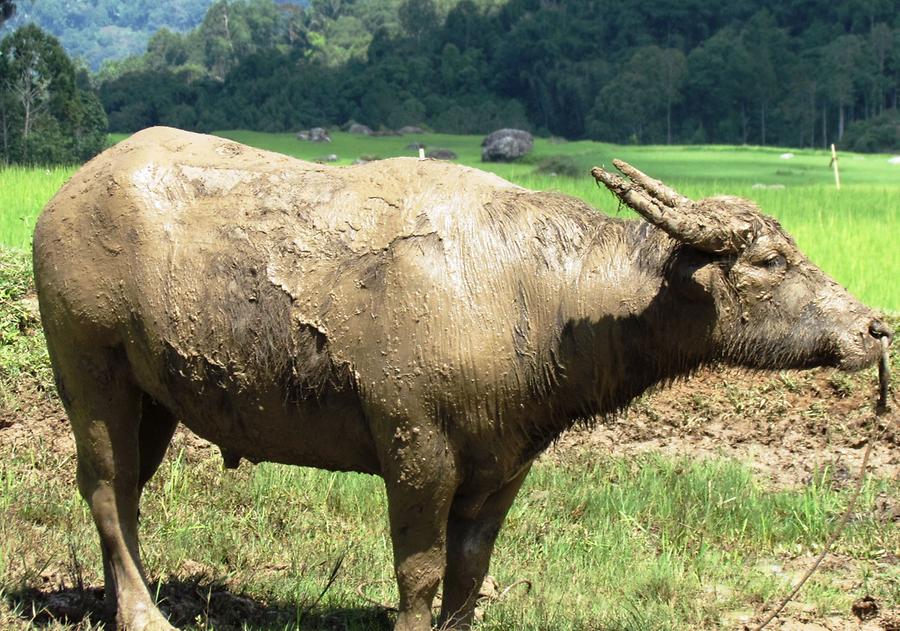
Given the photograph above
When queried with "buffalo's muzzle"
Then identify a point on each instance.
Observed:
(878, 329)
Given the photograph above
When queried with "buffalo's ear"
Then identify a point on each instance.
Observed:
(688, 273)
(719, 225)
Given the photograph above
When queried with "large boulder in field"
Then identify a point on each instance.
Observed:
(506, 145)
(360, 129)
(319, 134)
(410, 129)
(316, 134)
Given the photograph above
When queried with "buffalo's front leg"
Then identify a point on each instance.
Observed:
(471, 534)
(421, 479)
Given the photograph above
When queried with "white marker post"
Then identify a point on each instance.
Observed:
(834, 165)
(422, 155)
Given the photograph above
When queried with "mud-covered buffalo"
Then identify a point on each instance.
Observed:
(414, 319)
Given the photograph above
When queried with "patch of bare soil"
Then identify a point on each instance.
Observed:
(785, 426)
(37, 418)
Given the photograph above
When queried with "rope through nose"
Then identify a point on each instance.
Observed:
(881, 407)
(884, 376)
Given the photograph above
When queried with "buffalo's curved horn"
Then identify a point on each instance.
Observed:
(708, 225)
(636, 198)
(668, 196)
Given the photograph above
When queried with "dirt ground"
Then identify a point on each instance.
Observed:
(783, 425)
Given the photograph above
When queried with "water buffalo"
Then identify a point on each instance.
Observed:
(425, 322)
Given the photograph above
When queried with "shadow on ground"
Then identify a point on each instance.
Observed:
(194, 603)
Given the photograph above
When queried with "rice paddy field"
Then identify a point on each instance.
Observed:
(852, 233)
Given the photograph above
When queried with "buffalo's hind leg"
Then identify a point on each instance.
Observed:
(104, 407)
(471, 534)
(157, 425)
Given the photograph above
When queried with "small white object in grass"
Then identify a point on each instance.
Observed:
(786, 156)
(895, 160)
(421, 153)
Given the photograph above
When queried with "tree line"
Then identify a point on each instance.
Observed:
(793, 72)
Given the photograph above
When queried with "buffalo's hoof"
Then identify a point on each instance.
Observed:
(149, 621)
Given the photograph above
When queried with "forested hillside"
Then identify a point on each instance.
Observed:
(98, 30)
(791, 72)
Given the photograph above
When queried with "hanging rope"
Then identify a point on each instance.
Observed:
(881, 408)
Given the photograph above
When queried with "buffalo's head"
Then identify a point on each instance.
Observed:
(774, 308)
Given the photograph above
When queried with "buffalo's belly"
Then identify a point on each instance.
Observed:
(258, 420)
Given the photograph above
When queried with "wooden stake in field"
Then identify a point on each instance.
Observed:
(834, 165)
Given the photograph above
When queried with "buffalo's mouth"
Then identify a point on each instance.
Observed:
(864, 348)
(803, 347)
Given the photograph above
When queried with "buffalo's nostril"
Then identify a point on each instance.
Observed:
(879, 330)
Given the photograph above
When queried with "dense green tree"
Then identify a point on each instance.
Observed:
(718, 79)
(419, 19)
(46, 116)
(842, 62)
(880, 133)
(767, 47)
(882, 44)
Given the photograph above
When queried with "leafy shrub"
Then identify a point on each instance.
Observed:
(880, 134)
(560, 165)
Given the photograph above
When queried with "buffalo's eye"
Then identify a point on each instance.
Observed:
(775, 262)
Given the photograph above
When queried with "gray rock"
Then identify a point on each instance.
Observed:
(316, 134)
(359, 129)
(319, 134)
(415, 146)
(410, 129)
(506, 145)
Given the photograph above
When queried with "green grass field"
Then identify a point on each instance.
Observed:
(611, 543)
(852, 234)
(23, 192)
(708, 165)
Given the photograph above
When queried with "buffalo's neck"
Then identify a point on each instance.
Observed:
(630, 330)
